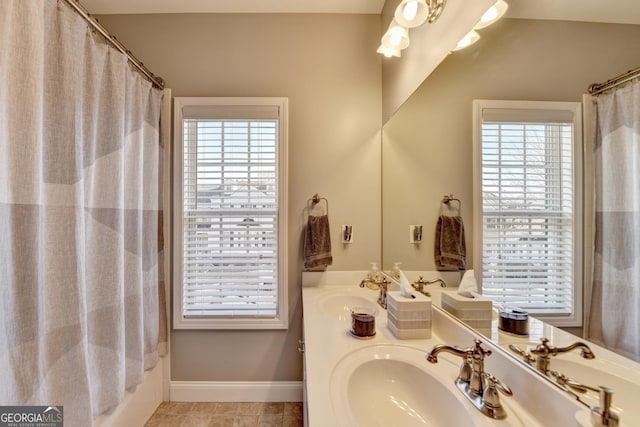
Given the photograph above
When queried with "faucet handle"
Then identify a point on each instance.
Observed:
(505, 389)
(491, 405)
(526, 356)
(478, 351)
(490, 393)
(602, 416)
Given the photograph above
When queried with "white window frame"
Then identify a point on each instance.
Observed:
(542, 108)
(281, 320)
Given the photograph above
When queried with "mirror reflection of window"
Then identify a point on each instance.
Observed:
(528, 178)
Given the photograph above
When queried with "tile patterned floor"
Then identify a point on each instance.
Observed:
(227, 414)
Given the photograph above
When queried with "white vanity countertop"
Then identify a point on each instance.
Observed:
(328, 341)
(327, 338)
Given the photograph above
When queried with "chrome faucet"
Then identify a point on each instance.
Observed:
(382, 284)
(541, 355)
(419, 284)
(371, 281)
(472, 379)
(544, 351)
(432, 356)
(382, 296)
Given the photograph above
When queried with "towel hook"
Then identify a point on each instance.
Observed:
(316, 199)
(447, 199)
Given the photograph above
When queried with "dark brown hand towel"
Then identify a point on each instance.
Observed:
(317, 242)
(450, 247)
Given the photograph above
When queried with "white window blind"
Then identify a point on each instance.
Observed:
(529, 229)
(230, 211)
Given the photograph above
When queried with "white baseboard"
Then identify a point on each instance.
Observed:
(236, 391)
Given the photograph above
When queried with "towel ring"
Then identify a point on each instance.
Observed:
(447, 199)
(316, 199)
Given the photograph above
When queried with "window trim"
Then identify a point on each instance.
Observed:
(281, 320)
(575, 108)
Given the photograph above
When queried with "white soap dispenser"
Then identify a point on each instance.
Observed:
(374, 274)
(395, 273)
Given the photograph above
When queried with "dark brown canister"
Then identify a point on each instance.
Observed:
(363, 322)
(514, 321)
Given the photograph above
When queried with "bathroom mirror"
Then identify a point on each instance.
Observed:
(427, 144)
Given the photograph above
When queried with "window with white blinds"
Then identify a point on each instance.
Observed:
(530, 191)
(231, 153)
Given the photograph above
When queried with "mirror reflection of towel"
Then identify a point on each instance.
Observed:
(317, 242)
(450, 246)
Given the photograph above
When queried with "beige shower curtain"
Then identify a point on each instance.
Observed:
(614, 318)
(81, 274)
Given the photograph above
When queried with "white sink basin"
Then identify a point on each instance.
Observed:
(393, 385)
(339, 305)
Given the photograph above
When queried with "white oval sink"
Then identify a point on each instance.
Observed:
(338, 306)
(392, 385)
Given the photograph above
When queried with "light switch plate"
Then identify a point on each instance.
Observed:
(347, 234)
(415, 234)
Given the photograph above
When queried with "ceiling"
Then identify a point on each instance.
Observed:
(618, 11)
(233, 6)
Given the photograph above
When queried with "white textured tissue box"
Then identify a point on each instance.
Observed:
(418, 322)
(400, 303)
(409, 318)
(408, 334)
(478, 309)
(456, 300)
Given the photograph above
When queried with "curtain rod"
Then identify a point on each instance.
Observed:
(597, 88)
(157, 81)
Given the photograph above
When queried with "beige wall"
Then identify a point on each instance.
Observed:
(427, 145)
(327, 66)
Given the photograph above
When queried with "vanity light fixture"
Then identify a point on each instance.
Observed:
(494, 13)
(471, 37)
(408, 14)
(412, 13)
(396, 37)
(388, 53)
